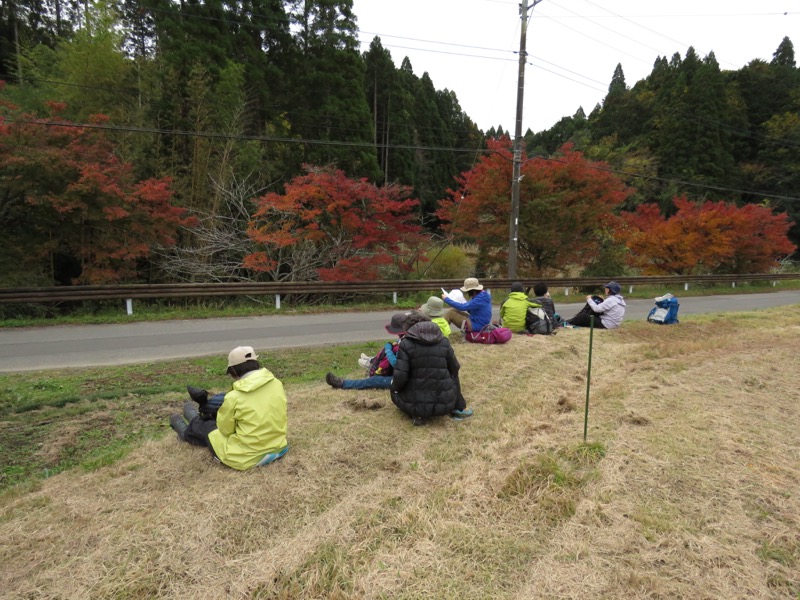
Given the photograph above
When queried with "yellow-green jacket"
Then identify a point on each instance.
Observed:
(251, 421)
(443, 325)
(513, 311)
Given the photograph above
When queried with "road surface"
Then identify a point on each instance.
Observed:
(38, 348)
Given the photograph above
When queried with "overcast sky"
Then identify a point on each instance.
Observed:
(471, 47)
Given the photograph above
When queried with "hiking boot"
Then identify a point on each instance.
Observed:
(334, 381)
(460, 415)
(179, 425)
(417, 421)
(198, 395)
(189, 411)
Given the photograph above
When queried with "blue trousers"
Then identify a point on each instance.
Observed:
(376, 382)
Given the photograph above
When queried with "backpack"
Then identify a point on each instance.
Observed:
(491, 334)
(665, 312)
(379, 364)
(537, 321)
(499, 335)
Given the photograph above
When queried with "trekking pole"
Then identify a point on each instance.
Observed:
(588, 379)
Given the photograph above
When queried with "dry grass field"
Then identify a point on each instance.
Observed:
(688, 487)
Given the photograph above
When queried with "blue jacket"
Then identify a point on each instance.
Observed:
(479, 309)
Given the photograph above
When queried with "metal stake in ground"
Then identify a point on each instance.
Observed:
(588, 378)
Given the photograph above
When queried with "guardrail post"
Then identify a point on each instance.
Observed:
(394, 297)
(277, 301)
(774, 283)
(129, 306)
(686, 286)
(630, 289)
(733, 284)
(566, 291)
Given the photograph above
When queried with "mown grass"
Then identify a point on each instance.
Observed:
(686, 487)
(56, 420)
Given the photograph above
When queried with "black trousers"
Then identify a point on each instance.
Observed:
(583, 318)
(198, 430)
(461, 403)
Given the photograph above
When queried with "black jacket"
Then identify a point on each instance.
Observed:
(425, 381)
(548, 306)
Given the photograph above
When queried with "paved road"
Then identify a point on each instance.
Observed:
(37, 348)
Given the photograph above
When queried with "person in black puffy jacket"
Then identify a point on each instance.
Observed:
(425, 382)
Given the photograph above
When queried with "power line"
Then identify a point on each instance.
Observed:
(279, 109)
(226, 136)
(684, 44)
(223, 136)
(604, 27)
(681, 181)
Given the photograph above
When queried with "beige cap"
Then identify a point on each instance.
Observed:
(241, 354)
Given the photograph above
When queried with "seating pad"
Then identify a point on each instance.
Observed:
(272, 457)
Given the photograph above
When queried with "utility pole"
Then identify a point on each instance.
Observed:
(515, 178)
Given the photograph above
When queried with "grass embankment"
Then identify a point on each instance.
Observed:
(688, 487)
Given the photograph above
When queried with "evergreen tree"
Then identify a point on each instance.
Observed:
(784, 55)
(777, 167)
(692, 137)
(329, 104)
(389, 105)
(612, 116)
(548, 141)
(263, 44)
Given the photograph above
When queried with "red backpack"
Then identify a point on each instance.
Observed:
(380, 365)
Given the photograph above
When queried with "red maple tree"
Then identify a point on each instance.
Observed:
(566, 202)
(705, 237)
(327, 226)
(68, 194)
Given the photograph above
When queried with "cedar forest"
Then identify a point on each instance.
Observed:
(150, 141)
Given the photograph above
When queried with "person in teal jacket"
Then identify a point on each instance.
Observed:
(250, 426)
(515, 308)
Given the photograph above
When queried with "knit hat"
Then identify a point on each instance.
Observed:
(517, 287)
(434, 307)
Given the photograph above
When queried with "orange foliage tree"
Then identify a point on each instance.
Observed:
(705, 237)
(68, 199)
(327, 226)
(567, 202)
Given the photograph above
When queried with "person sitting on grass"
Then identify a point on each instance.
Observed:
(479, 308)
(425, 382)
(611, 309)
(542, 296)
(380, 367)
(250, 425)
(434, 310)
(454, 317)
(514, 310)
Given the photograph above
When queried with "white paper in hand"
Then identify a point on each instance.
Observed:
(456, 295)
